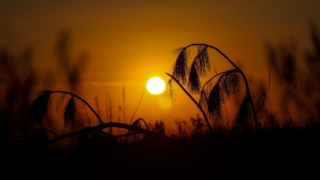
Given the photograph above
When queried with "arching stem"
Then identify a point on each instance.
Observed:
(112, 124)
(243, 76)
(251, 102)
(82, 101)
(198, 105)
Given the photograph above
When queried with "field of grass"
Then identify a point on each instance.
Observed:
(285, 152)
(258, 145)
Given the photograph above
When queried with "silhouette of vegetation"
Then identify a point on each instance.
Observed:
(137, 123)
(159, 127)
(211, 97)
(137, 106)
(70, 66)
(17, 81)
(40, 105)
(278, 150)
(298, 77)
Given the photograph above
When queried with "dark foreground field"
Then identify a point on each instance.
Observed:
(283, 153)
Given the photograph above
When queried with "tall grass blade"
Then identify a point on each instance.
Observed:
(123, 105)
(261, 101)
(134, 113)
(60, 100)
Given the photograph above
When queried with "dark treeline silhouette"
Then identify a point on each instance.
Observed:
(257, 145)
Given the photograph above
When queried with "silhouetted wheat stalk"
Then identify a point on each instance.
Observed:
(211, 97)
(40, 105)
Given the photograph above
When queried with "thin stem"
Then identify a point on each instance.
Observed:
(263, 95)
(200, 53)
(137, 106)
(125, 135)
(251, 102)
(235, 70)
(112, 124)
(50, 131)
(82, 101)
(211, 79)
(202, 111)
(216, 50)
(270, 85)
(140, 119)
(123, 103)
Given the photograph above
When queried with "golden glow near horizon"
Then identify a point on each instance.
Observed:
(131, 41)
(155, 85)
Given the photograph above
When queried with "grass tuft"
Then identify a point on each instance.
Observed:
(69, 112)
(244, 113)
(39, 106)
(180, 68)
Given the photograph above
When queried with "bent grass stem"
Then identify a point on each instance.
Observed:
(198, 105)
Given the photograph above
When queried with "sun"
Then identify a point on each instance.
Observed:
(155, 85)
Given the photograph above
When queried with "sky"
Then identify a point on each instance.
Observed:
(128, 42)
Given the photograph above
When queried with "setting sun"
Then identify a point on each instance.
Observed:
(155, 85)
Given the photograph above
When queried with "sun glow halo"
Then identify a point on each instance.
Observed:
(155, 85)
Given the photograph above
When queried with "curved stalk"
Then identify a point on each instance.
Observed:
(202, 111)
(82, 101)
(243, 76)
(235, 70)
(251, 102)
(50, 131)
(112, 124)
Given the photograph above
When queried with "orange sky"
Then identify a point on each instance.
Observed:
(132, 41)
